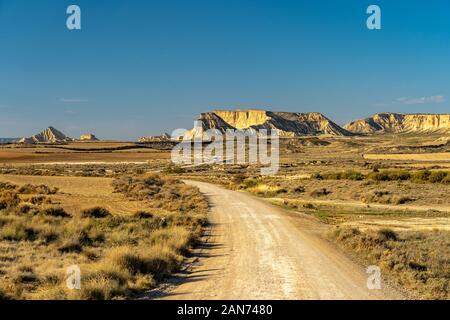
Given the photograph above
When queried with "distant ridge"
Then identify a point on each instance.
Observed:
(401, 123)
(49, 135)
(9, 140)
(286, 124)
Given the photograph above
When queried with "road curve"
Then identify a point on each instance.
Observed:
(255, 250)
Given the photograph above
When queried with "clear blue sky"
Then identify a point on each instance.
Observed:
(144, 67)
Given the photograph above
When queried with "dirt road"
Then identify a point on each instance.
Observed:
(258, 251)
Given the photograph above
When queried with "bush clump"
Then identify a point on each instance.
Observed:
(96, 212)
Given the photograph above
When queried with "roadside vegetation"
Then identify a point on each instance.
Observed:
(420, 176)
(120, 256)
(416, 260)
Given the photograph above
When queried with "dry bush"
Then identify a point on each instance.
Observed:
(416, 260)
(55, 212)
(9, 199)
(385, 197)
(96, 212)
(321, 192)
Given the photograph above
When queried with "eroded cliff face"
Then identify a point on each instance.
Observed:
(49, 135)
(243, 119)
(401, 123)
(286, 124)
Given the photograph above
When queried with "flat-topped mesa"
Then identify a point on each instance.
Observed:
(49, 135)
(286, 124)
(401, 123)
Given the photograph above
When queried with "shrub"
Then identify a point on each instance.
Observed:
(402, 199)
(437, 176)
(387, 234)
(55, 212)
(173, 169)
(250, 182)
(4, 295)
(37, 189)
(298, 189)
(320, 192)
(9, 199)
(143, 215)
(96, 212)
(7, 186)
(18, 231)
(421, 176)
(446, 180)
(309, 206)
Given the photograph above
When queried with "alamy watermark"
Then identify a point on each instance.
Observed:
(254, 147)
(73, 280)
(374, 279)
(73, 21)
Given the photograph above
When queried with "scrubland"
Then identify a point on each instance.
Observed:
(120, 255)
(386, 200)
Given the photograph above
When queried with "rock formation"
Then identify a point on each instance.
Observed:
(49, 135)
(88, 137)
(401, 123)
(286, 124)
(163, 137)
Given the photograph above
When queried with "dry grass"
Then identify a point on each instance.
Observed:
(120, 256)
(417, 261)
(444, 156)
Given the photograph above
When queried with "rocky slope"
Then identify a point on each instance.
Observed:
(401, 123)
(286, 124)
(49, 135)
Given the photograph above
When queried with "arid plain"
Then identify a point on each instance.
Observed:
(141, 228)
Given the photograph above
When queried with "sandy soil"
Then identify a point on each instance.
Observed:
(258, 251)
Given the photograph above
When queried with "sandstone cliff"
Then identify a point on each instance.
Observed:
(401, 123)
(49, 135)
(286, 124)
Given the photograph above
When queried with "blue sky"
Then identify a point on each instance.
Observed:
(144, 67)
